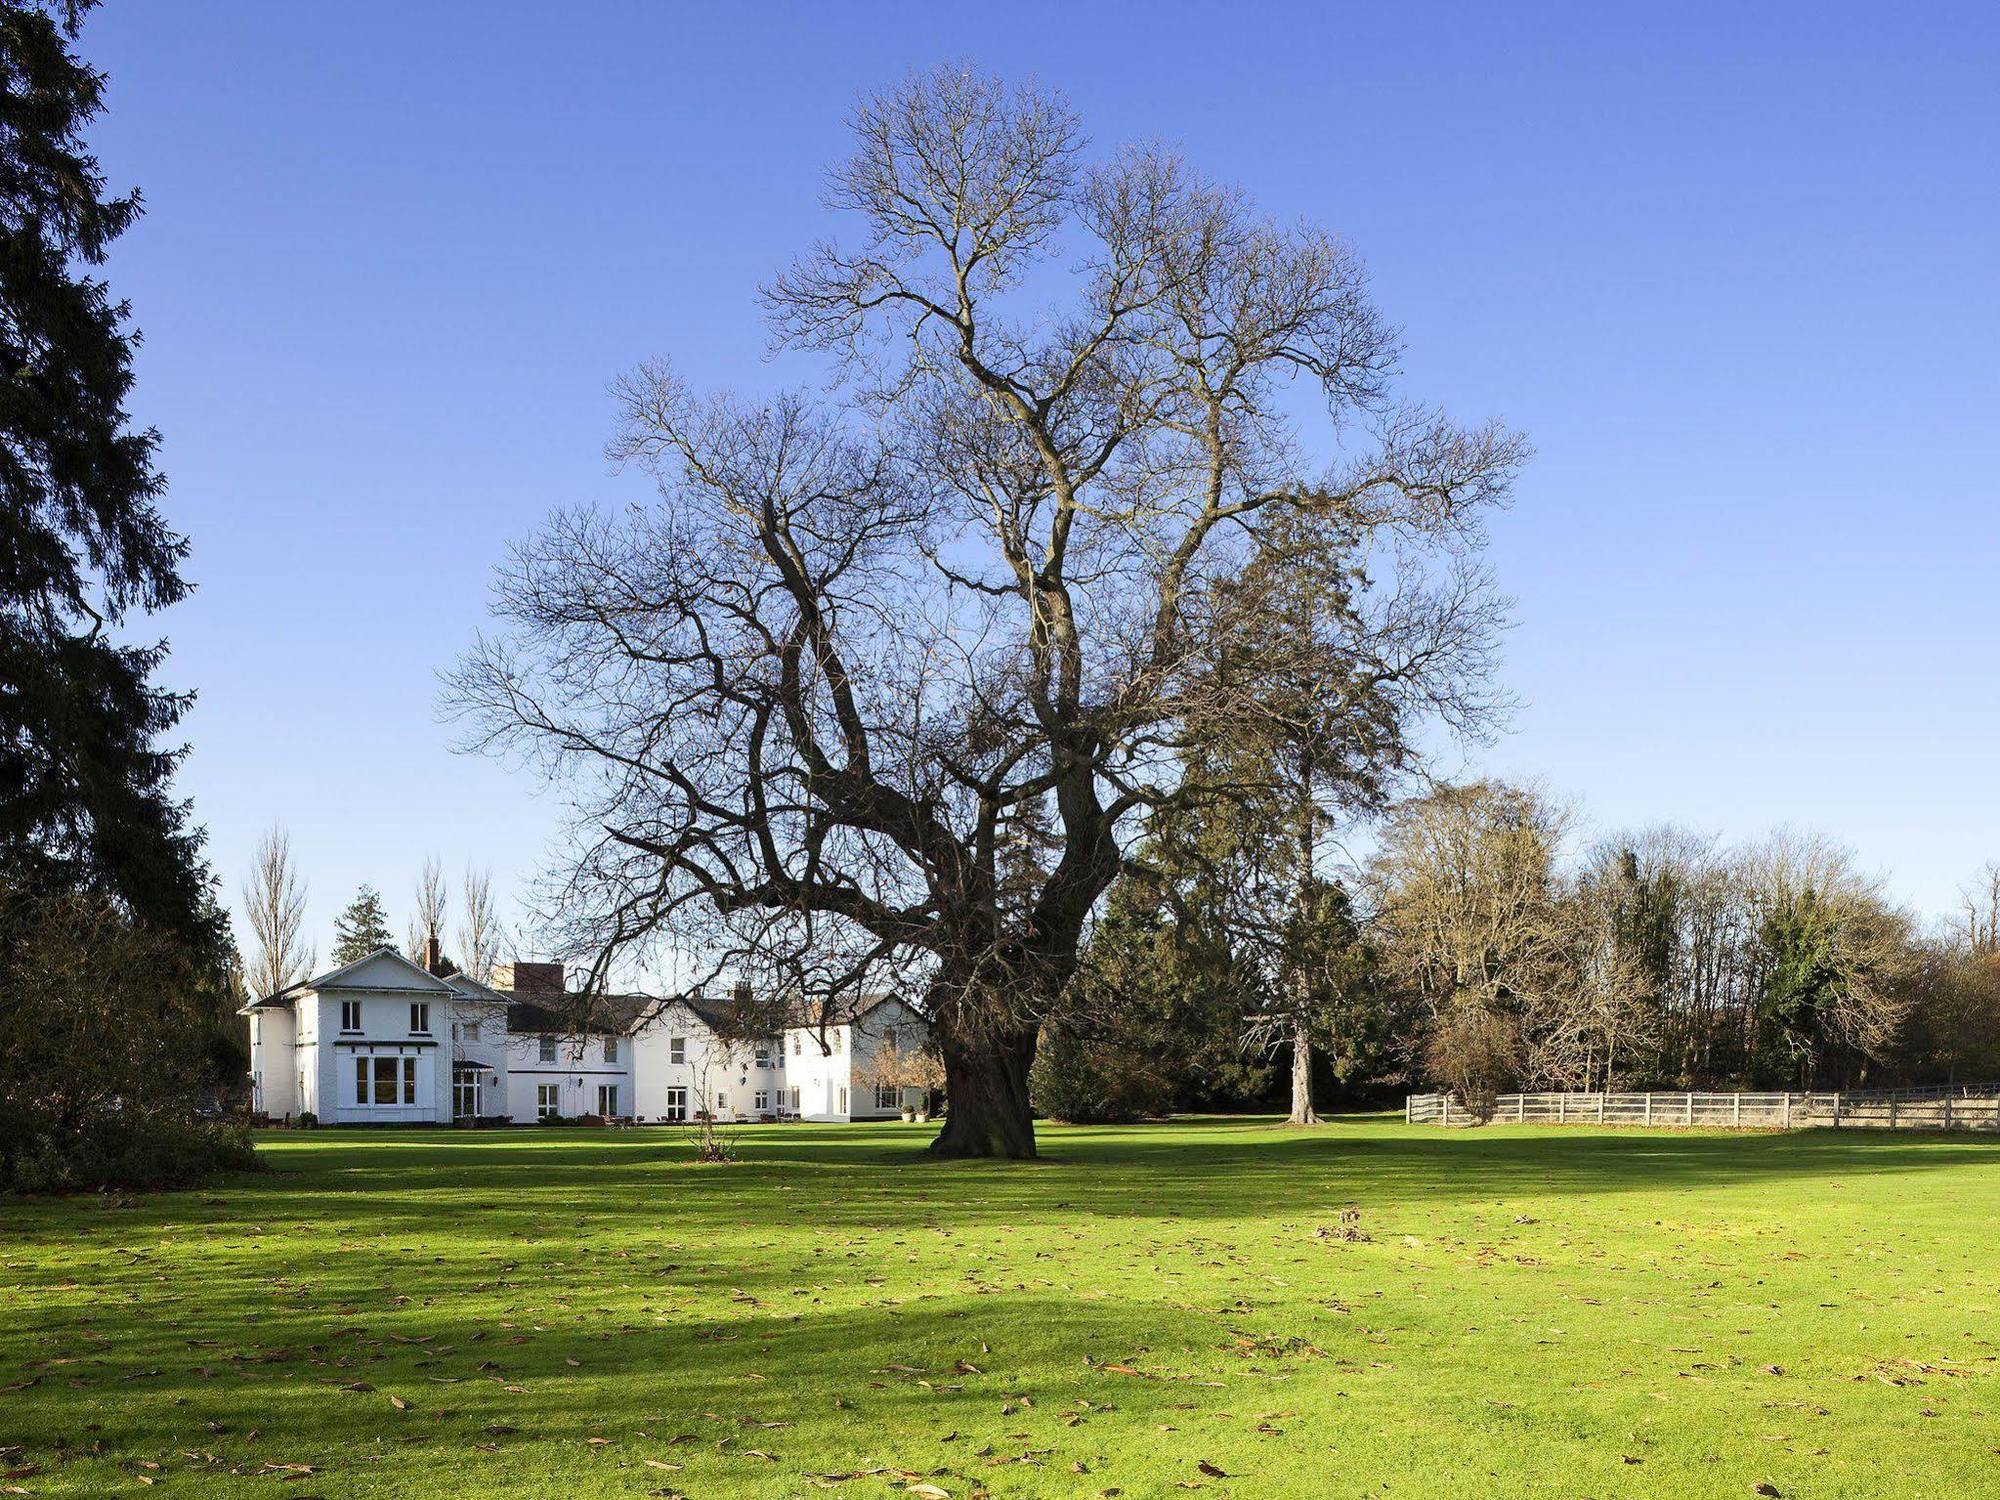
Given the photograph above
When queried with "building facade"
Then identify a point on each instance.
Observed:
(385, 1041)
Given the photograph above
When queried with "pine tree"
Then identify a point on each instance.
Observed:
(85, 784)
(361, 929)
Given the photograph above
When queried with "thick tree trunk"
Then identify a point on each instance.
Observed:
(1302, 1077)
(986, 1095)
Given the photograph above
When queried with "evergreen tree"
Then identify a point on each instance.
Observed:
(85, 784)
(361, 929)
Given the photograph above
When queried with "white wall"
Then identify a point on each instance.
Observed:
(577, 1072)
(274, 1062)
(708, 1070)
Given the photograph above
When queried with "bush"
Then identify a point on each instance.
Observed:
(107, 1078)
(137, 1150)
(307, 1120)
(1086, 1081)
(1475, 1053)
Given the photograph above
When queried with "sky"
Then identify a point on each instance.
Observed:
(1731, 269)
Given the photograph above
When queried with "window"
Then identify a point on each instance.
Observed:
(420, 1018)
(798, 1046)
(763, 1101)
(843, 1101)
(763, 1055)
(677, 1104)
(795, 1099)
(887, 1096)
(607, 1099)
(548, 1052)
(394, 1080)
(350, 1015)
(611, 1049)
(721, 1102)
(547, 1096)
(677, 1049)
(467, 1102)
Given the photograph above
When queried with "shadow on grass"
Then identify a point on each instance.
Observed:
(546, 1184)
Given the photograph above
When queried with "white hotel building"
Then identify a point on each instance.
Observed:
(383, 1041)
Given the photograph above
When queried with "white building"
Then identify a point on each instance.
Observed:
(835, 1072)
(384, 1041)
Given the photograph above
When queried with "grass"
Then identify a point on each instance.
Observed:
(1536, 1312)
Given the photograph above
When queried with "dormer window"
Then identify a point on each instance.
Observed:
(420, 1018)
(350, 1015)
(677, 1049)
(548, 1049)
(611, 1049)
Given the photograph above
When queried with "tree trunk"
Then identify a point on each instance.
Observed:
(1302, 1077)
(986, 1095)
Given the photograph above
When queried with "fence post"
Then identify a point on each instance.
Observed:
(1836, 1109)
(1788, 1109)
(1520, 1109)
(1736, 1110)
(1562, 1109)
(1892, 1111)
(1408, 1099)
(1690, 1107)
(1600, 1112)
(1445, 1118)
(1947, 1111)
(1649, 1106)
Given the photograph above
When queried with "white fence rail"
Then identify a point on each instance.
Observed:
(1964, 1107)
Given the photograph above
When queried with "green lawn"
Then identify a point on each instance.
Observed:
(568, 1313)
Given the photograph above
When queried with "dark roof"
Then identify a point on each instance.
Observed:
(607, 1015)
(619, 1015)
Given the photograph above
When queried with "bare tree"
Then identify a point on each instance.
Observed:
(427, 918)
(479, 932)
(274, 904)
(803, 703)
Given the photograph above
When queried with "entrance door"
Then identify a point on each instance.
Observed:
(607, 1100)
(677, 1104)
(467, 1094)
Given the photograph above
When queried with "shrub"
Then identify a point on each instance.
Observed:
(307, 1120)
(105, 1064)
(1087, 1081)
(1476, 1053)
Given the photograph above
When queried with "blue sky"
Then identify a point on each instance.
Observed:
(1731, 268)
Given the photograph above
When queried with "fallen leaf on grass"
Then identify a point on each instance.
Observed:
(1211, 1470)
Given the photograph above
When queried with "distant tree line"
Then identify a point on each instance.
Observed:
(1479, 949)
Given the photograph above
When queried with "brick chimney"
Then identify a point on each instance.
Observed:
(433, 955)
(529, 979)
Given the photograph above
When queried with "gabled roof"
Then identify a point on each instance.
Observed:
(467, 987)
(804, 1018)
(343, 978)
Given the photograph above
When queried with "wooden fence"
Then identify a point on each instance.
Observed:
(1965, 1107)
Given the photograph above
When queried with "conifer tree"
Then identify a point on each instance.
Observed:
(361, 929)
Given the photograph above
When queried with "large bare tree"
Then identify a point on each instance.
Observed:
(274, 904)
(880, 689)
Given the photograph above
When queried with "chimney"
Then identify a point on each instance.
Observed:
(433, 955)
(740, 992)
(529, 979)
